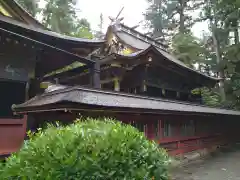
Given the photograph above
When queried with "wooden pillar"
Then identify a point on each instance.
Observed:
(144, 86)
(151, 130)
(95, 74)
(116, 84)
(178, 129)
(163, 92)
(56, 80)
(150, 127)
(27, 90)
(178, 95)
(144, 83)
(160, 131)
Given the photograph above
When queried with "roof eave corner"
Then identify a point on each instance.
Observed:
(29, 16)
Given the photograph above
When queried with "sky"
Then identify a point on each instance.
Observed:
(132, 13)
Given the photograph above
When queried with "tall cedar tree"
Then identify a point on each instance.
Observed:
(60, 16)
(172, 21)
(177, 16)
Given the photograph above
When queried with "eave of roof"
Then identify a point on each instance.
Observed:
(51, 34)
(27, 16)
(67, 57)
(86, 96)
(138, 42)
(38, 27)
(158, 51)
(19, 13)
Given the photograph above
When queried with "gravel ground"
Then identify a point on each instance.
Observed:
(223, 166)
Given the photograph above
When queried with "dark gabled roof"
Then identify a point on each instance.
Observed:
(144, 43)
(100, 98)
(48, 65)
(39, 33)
(21, 13)
(159, 52)
(34, 25)
(134, 38)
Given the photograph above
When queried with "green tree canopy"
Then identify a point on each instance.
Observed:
(99, 149)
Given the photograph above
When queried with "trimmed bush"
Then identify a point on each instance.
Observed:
(88, 150)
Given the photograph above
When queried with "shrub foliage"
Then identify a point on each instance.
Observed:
(88, 150)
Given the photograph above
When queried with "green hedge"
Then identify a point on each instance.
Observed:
(88, 150)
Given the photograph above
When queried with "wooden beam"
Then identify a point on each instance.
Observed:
(106, 81)
(95, 74)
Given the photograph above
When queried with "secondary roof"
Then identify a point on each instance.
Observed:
(143, 44)
(100, 99)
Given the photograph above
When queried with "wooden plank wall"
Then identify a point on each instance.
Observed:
(175, 142)
(12, 133)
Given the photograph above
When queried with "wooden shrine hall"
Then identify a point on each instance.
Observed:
(179, 127)
(140, 84)
(134, 63)
(128, 76)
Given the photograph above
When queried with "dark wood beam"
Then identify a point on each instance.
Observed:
(95, 73)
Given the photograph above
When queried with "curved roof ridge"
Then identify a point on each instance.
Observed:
(149, 46)
(166, 55)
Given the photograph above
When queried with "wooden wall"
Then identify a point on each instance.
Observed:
(177, 133)
(15, 67)
(12, 133)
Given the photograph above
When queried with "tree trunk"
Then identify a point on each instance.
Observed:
(213, 23)
(236, 34)
(159, 31)
(182, 17)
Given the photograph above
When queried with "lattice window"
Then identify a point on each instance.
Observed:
(167, 128)
(158, 129)
(188, 128)
(141, 126)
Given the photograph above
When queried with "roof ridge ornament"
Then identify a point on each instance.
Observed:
(116, 20)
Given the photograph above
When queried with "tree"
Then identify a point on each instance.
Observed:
(229, 13)
(156, 18)
(211, 10)
(195, 53)
(83, 29)
(222, 17)
(170, 17)
(31, 6)
(60, 16)
(210, 97)
(100, 149)
(172, 21)
(99, 34)
(216, 53)
(188, 49)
